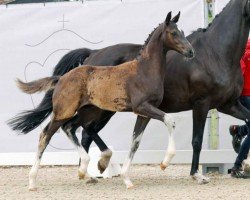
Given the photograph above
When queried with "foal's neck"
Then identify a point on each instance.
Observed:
(153, 57)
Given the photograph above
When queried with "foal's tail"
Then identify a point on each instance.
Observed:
(43, 84)
(29, 120)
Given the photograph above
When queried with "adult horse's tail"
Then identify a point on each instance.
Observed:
(31, 119)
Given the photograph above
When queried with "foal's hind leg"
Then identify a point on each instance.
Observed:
(93, 120)
(70, 129)
(140, 126)
(44, 139)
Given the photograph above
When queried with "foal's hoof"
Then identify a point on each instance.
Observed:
(129, 187)
(81, 175)
(104, 161)
(101, 168)
(92, 181)
(163, 166)
(32, 189)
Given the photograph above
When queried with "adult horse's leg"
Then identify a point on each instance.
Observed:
(44, 140)
(236, 110)
(140, 126)
(199, 119)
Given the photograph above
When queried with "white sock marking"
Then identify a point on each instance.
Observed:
(170, 123)
(127, 163)
(33, 173)
(82, 154)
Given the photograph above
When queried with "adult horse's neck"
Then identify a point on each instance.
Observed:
(153, 57)
(229, 32)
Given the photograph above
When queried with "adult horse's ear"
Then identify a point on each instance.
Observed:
(176, 18)
(168, 18)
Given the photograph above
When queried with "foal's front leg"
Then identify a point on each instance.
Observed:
(151, 111)
(170, 152)
(140, 126)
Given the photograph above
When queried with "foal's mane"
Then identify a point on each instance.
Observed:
(149, 37)
(147, 40)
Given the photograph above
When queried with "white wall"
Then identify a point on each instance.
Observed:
(110, 22)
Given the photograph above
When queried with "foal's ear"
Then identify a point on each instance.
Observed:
(168, 18)
(176, 18)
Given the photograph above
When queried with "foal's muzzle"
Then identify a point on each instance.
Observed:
(190, 53)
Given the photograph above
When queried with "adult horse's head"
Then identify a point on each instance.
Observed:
(174, 39)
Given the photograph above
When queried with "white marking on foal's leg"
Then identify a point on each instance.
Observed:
(124, 173)
(33, 174)
(82, 171)
(127, 163)
(170, 123)
(104, 160)
(200, 178)
(170, 152)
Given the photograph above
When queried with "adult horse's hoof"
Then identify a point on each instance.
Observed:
(203, 181)
(81, 175)
(163, 166)
(200, 178)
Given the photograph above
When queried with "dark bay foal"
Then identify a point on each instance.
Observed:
(139, 87)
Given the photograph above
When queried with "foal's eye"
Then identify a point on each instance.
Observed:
(174, 33)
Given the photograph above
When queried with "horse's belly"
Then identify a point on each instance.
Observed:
(109, 98)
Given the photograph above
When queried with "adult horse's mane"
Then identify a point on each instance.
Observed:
(194, 33)
(203, 30)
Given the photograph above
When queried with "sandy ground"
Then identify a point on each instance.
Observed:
(150, 183)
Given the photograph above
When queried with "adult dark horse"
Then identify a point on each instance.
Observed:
(212, 80)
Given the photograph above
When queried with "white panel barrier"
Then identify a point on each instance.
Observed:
(34, 37)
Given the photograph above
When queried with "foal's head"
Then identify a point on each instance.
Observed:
(174, 39)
